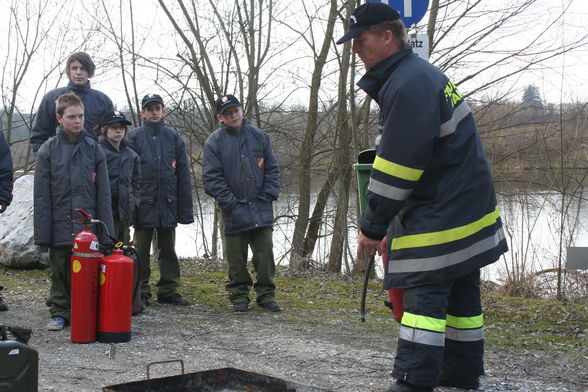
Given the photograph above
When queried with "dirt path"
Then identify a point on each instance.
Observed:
(331, 356)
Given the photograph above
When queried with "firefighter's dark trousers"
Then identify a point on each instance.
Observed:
(237, 248)
(169, 267)
(59, 261)
(441, 331)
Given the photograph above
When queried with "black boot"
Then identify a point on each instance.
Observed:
(446, 380)
(402, 386)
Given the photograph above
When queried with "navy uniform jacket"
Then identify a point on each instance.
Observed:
(69, 174)
(95, 103)
(430, 173)
(6, 174)
(165, 186)
(240, 171)
(124, 174)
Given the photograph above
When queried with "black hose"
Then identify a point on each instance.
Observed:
(365, 285)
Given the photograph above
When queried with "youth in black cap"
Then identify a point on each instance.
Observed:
(147, 99)
(225, 102)
(366, 16)
(113, 116)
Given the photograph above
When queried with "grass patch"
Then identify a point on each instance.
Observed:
(320, 299)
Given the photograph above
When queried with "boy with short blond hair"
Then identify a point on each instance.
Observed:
(166, 199)
(70, 173)
(123, 171)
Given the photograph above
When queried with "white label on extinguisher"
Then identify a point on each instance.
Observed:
(94, 245)
(14, 351)
(103, 268)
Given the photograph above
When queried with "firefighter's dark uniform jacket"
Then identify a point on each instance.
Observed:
(431, 171)
(6, 173)
(165, 186)
(69, 174)
(95, 103)
(240, 171)
(124, 174)
(431, 192)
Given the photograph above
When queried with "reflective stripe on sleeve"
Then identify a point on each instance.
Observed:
(423, 322)
(464, 335)
(396, 170)
(438, 262)
(459, 113)
(445, 236)
(420, 336)
(389, 191)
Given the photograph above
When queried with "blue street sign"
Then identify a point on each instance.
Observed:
(411, 11)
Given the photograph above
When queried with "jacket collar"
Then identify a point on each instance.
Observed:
(103, 141)
(64, 136)
(79, 89)
(375, 78)
(154, 127)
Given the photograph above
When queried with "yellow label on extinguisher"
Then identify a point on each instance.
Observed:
(102, 278)
(76, 266)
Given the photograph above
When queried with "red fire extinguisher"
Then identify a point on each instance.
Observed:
(84, 281)
(116, 297)
(395, 296)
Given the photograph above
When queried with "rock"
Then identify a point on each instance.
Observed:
(17, 249)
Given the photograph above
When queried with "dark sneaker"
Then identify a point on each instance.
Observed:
(402, 386)
(174, 299)
(57, 323)
(3, 306)
(241, 307)
(144, 302)
(272, 306)
(459, 382)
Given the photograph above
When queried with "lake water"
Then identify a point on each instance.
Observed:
(532, 225)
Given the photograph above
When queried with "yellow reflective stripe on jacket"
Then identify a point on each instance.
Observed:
(396, 170)
(465, 322)
(423, 322)
(445, 236)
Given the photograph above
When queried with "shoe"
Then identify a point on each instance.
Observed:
(241, 307)
(57, 323)
(174, 299)
(3, 306)
(144, 302)
(402, 386)
(446, 380)
(272, 306)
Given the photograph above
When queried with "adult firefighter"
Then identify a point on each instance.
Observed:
(431, 192)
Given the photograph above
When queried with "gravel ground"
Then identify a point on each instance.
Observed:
(333, 356)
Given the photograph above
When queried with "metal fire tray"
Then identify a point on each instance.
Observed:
(215, 380)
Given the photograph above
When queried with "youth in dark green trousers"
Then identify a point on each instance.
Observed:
(59, 292)
(240, 281)
(121, 230)
(169, 267)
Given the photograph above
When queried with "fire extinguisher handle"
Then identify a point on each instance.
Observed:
(85, 216)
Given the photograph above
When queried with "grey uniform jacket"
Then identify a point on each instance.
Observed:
(165, 186)
(241, 173)
(124, 174)
(95, 103)
(5, 171)
(70, 174)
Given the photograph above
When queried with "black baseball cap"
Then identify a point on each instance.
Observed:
(113, 116)
(366, 16)
(151, 98)
(225, 102)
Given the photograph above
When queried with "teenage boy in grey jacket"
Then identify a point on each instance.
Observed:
(123, 171)
(79, 69)
(6, 176)
(241, 173)
(70, 173)
(165, 201)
